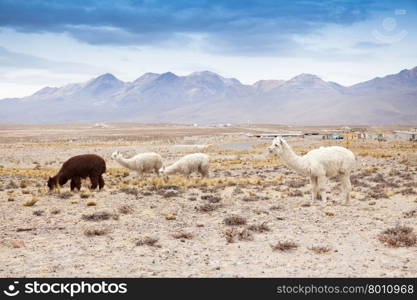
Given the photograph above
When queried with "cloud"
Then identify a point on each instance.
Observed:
(14, 60)
(370, 45)
(243, 27)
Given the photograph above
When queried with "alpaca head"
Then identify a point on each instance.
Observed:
(115, 154)
(163, 172)
(278, 146)
(52, 183)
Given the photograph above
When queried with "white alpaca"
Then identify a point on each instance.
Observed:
(141, 163)
(197, 162)
(319, 164)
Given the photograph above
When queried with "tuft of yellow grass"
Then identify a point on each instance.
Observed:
(36, 173)
(85, 195)
(159, 182)
(31, 202)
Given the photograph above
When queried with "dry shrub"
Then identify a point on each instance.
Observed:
(295, 193)
(148, 241)
(207, 207)
(64, 195)
(408, 191)
(320, 249)
(276, 207)
(356, 182)
(411, 213)
(245, 235)
(11, 185)
(235, 220)
(392, 184)
(38, 213)
(377, 178)
(250, 198)
(261, 228)
(183, 235)
(96, 231)
(399, 236)
(378, 192)
(100, 216)
(211, 198)
(284, 246)
(233, 233)
(296, 183)
(170, 194)
(126, 209)
(237, 190)
(130, 191)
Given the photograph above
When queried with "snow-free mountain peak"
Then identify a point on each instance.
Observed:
(207, 97)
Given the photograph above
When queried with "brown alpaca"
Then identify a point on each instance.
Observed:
(80, 167)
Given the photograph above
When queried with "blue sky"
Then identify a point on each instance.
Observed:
(52, 43)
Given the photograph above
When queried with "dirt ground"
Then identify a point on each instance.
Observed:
(251, 218)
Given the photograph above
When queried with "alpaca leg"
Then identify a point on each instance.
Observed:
(100, 182)
(313, 182)
(76, 183)
(72, 184)
(203, 170)
(321, 182)
(94, 181)
(347, 187)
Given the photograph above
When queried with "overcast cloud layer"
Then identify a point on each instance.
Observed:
(269, 39)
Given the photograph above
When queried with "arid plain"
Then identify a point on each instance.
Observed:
(251, 218)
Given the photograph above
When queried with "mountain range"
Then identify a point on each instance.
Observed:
(208, 98)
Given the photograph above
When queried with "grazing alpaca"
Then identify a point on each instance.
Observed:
(80, 167)
(319, 164)
(141, 163)
(197, 162)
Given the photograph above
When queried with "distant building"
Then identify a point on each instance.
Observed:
(101, 125)
(376, 136)
(405, 135)
(274, 135)
(354, 135)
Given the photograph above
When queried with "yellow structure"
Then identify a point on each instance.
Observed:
(351, 135)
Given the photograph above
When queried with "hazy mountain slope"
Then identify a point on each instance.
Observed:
(206, 97)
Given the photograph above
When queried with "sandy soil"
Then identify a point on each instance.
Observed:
(151, 227)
